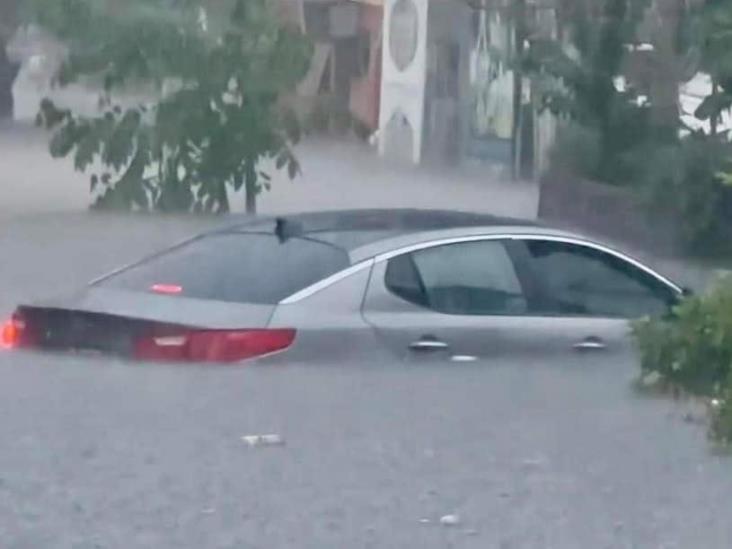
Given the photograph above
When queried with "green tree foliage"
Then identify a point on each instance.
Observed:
(671, 167)
(710, 31)
(700, 189)
(8, 18)
(575, 77)
(216, 73)
(711, 34)
(683, 178)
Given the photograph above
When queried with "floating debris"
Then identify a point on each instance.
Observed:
(450, 520)
(263, 440)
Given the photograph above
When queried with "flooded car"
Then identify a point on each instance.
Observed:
(413, 285)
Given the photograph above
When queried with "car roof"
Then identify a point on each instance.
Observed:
(354, 229)
(365, 233)
(405, 241)
(403, 220)
(384, 218)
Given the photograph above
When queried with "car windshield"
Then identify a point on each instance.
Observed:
(234, 267)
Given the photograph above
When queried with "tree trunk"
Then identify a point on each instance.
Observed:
(714, 120)
(664, 82)
(224, 206)
(520, 25)
(8, 72)
(251, 198)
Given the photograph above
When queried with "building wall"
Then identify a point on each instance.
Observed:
(432, 102)
(404, 75)
(447, 80)
(365, 91)
(347, 37)
(291, 12)
(450, 113)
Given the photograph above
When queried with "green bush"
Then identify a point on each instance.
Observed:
(605, 156)
(681, 177)
(576, 151)
(721, 416)
(691, 352)
(684, 178)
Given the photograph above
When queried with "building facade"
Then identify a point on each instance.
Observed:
(345, 72)
(449, 92)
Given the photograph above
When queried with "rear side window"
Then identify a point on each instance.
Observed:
(236, 267)
(471, 278)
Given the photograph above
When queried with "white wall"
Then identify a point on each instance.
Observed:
(402, 91)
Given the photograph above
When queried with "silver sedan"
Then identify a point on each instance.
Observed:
(419, 285)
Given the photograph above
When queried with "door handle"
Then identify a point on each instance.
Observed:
(428, 344)
(590, 344)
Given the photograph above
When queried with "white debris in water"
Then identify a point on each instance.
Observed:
(263, 440)
(450, 520)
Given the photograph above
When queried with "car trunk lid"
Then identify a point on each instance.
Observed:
(148, 326)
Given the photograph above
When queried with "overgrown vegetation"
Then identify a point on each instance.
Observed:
(613, 133)
(215, 74)
(691, 353)
(684, 178)
(576, 78)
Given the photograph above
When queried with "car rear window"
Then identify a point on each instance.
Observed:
(235, 267)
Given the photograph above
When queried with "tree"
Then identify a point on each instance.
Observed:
(573, 72)
(711, 31)
(687, 175)
(8, 69)
(216, 71)
(575, 75)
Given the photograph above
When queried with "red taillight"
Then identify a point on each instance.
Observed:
(12, 333)
(213, 345)
(167, 289)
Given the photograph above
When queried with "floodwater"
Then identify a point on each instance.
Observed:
(102, 454)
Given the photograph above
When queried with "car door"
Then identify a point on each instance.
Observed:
(481, 298)
(458, 301)
(591, 291)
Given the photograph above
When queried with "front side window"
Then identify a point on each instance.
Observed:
(470, 278)
(582, 281)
